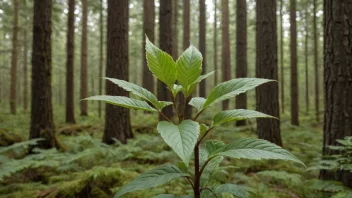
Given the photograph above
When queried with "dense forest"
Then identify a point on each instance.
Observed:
(176, 98)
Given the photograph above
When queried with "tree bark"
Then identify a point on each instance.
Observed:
(215, 44)
(165, 39)
(14, 59)
(306, 58)
(294, 75)
(316, 69)
(282, 76)
(148, 30)
(267, 95)
(225, 50)
(241, 52)
(117, 119)
(174, 29)
(101, 54)
(84, 49)
(70, 109)
(25, 71)
(337, 79)
(42, 124)
(202, 44)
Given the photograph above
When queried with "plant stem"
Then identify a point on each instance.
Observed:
(205, 134)
(195, 118)
(196, 173)
(166, 118)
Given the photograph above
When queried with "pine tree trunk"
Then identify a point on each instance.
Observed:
(225, 50)
(117, 119)
(84, 49)
(241, 52)
(174, 29)
(215, 44)
(202, 44)
(25, 70)
(70, 109)
(306, 59)
(282, 76)
(42, 123)
(267, 95)
(294, 74)
(337, 80)
(165, 39)
(14, 59)
(316, 69)
(101, 48)
(148, 30)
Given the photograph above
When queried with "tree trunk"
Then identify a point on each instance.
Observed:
(215, 44)
(267, 95)
(148, 30)
(174, 29)
(165, 39)
(84, 49)
(202, 44)
(225, 50)
(101, 48)
(117, 119)
(337, 80)
(294, 75)
(316, 69)
(306, 58)
(42, 123)
(25, 71)
(282, 76)
(70, 109)
(241, 52)
(186, 44)
(14, 59)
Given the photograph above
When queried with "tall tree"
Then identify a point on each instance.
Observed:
(148, 30)
(117, 119)
(306, 57)
(101, 48)
(14, 58)
(42, 123)
(337, 80)
(25, 70)
(241, 52)
(266, 67)
(84, 49)
(282, 76)
(316, 69)
(165, 39)
(174, 29)
(294, 75)
(225, 50)
(202, 43)
(70, 109)
(215, 43)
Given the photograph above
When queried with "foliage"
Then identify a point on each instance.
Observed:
(185, 136)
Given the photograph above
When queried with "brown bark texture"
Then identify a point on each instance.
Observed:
(225, 50)
(294, 73)
(202, 44)
(101, 54)
(117, 119)
(267, 95)
(316, 68)
(84, 69)
(14, 55)
(215, 43)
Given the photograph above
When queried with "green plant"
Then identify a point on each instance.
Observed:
(188, 136)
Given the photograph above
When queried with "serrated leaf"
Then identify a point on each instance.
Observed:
(164, 104)
(203, 128)
(212, 146)
(210, 169)
(123, 101)
(203, 156)
(237, 114)
(160, 64)
(182, 166)
(198, 80)
(181, 138)
(236, 190)
(189, 68)
(256, 149)
(197, 102)
(152, 178)
(229, 89)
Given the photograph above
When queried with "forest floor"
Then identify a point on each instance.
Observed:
(87, 168)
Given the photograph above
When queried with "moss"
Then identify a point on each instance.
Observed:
(7, 138)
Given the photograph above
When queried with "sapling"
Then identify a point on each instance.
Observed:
(187, 137)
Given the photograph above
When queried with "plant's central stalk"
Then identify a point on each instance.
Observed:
(196, 173)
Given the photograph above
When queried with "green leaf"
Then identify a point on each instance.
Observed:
(123, 101)
(161, 64)
(197, 102)
(212, 146)
(175, 89)
(189, 68)
(203, 128)
(232, 88)
(152, 178)
(181, 138)
(172, 196)
(256, 149)
(198, 80)
(210, 169)
(237, 114)
(236, 190)
(164, 104)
